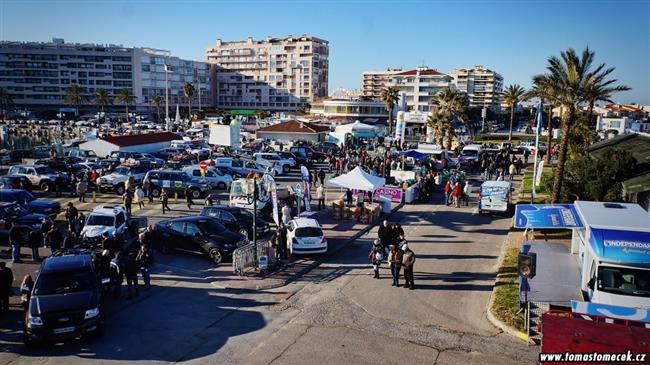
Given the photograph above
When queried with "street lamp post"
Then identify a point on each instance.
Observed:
(166, 97)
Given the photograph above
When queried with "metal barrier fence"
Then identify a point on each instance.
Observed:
(244, 257)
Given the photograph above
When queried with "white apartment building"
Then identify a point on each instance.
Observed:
(37, 74)
(375, 81)
(272, 74)
(482, 85)
(419, 85)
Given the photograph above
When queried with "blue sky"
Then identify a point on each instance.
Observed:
(512, 37)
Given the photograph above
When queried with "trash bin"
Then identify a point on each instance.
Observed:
(385, 202)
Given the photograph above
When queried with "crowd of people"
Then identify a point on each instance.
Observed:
(391, 247)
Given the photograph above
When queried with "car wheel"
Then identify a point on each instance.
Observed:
(215, 255)
(285, 169)
(222, 185)
(164, 248)
(155, 192)
(244, 233)
(196, 193)
(119, 189)
(45, 186)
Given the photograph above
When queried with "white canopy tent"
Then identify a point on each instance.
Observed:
(358, 179)
(357, 128)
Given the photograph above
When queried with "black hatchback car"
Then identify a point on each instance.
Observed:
(65, 301)
(200, 235)
(237, 220)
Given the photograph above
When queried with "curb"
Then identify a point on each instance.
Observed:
(310, 267)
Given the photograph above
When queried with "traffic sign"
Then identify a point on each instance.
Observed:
(203, 165)
(299, 189)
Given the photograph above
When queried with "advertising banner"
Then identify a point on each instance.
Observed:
(546, 216)
(304, 173)
(611, 311)
(394, 194)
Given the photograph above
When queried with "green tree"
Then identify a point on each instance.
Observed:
(512, 95)
(5, 101)
(156, 100)
(124, 96)
(189, 91)
(600, 88)
(446, 104)
(101, 98)
(440, 125)
(570, 76)
(390, 97)
(74, 96)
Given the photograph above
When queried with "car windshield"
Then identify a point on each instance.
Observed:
(64, 282)
(15, 211)
(100, 220)
(44, 170)
(210, 226)
(309, 232)
(624, 281)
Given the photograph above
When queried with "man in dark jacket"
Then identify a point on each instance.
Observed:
(6, 280)
(145, 260)
(131, 272)
(282, 241)
(321, 176)
(385, 234)
(54, 240)
(15, 240)
(71, 214)
(46, 225)
(35, 241)
(188, 197)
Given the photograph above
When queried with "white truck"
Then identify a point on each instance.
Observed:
(241, 192)
(225, 135)
(117, 180)
(274, 160)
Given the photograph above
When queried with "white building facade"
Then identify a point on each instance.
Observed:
(375, 81)
(483, 86)
(419, 85)
(273, 74)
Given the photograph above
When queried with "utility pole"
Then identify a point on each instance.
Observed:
(166, 98)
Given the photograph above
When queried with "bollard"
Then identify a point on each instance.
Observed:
(94, 197)
(175, 198)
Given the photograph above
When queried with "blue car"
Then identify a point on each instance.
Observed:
(26, 199)
(15, 213)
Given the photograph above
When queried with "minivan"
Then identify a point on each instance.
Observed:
(175, 182)
(494, 196)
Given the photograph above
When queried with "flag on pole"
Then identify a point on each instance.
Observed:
(539, 119)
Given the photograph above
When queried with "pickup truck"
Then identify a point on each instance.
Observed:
(308, 153)
(116, 181)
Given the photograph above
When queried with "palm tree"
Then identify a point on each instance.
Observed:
(390, 97)
(439, 124)
(304, 108)
(512, 95)
(125, 97)
(543, 90)
(446, 104)
(74, 96)
(156, 100)
(5, 100)
(570, 76)
(600, 89)
(101, 98)
(189, 93)
(261, 114)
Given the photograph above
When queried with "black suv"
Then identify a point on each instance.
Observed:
(237, 220)
(65, 301)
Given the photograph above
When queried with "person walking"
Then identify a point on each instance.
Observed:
(82, 188)
(456, 192)
(139, 196)
(188, 197)
(395, 262)
(46, 225)
(128, 201)
(26, 288)
(145, 260)
(447, 192)
(131, 272)
(34, 241)
(53, 239)
(348, 197)
(512, 170)
(164, 198)
(6, 280)
(408, 260)
(149, 191)
(321, 176)
(376, 255)
(71, 215)
(282, 241)
(15, 241)
(385, 234)
(467, 188)
(117, 273)
(320, 195)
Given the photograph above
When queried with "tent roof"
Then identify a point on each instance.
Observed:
(414, 154)
(358, 179)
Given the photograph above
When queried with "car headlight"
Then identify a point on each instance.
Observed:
(91, 313)
(35, 321)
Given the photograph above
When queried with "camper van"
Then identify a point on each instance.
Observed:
(494, 196)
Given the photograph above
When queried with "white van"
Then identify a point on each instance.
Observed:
(494, 196)
(242, 167)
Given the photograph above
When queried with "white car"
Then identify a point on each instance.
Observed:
(102, 219)
(305, 236)
(116, 180)
(216, 178)
(280, 165)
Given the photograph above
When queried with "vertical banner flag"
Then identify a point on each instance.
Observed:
(538, 131)
(274, 197)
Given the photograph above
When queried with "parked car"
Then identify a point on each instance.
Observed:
(201, 235)
(167, 153)
(15, 213)
(15, 182)
(175, 182)
(327, 147)
(237, 220)
(65, 301)
(103, 219)
(84, 155)
(40, 176)
(242, 167)
(308, 153)
(124, 155)
(216, 178)
(116, 180)
(280, 165)
(50, 208)
(300, 160)
(305, 236)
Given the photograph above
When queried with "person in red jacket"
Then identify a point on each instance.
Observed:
(447, 192)
(457, 192)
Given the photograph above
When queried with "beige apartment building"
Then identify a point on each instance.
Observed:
(375, 81)
(482, 85)
(273, 74)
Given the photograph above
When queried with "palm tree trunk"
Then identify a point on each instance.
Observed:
(590, 113)
(549, 138)
(189, 109)
(390, 122)
(564, 145)
(127, 111)
(512, 119)
(157, 113)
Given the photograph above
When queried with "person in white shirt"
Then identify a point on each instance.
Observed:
(320, 195)
(466, 190)
(286, 214)
(139, 196)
